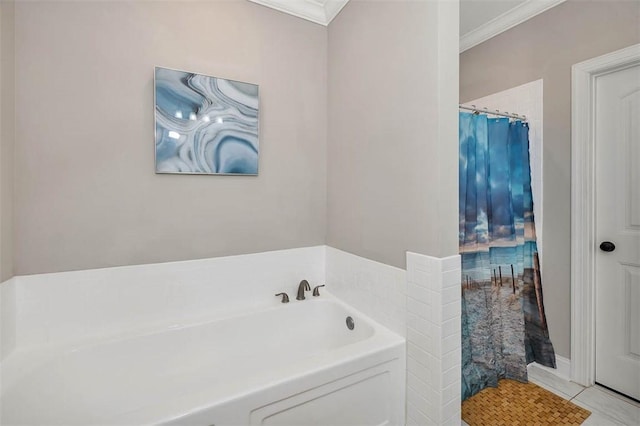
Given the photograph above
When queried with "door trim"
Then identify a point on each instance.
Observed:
(583, 207)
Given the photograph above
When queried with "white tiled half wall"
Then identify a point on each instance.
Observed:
(433, 340)
(376, 289)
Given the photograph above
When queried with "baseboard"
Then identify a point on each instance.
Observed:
(562, 370)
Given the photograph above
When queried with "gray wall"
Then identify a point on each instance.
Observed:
(86, 195)
(546, 47)
(392, 164)
(7, 117)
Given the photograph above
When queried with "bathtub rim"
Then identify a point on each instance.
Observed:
(382, 341)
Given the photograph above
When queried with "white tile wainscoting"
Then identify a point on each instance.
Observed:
(376, 289)
(421, 304)
(433, 340)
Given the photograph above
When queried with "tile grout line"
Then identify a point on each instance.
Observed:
(583, 389)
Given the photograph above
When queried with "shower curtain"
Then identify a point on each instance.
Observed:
(503, 321)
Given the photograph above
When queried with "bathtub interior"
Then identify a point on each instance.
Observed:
(202, 365)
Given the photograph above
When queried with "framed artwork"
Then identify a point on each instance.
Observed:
(205, 125)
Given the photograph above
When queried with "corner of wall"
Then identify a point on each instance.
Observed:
(7, 136)
(448, 66)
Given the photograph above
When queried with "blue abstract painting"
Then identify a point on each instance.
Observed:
(205, 125)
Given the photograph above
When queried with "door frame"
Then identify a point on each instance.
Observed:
(583, 207)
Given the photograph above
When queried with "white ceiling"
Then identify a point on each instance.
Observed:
(479, 19)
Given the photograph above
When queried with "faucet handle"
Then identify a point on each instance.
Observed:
(285, 297)
(316, 290)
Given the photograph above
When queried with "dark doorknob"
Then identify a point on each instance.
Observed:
(607, 246)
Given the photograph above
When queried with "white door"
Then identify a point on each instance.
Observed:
(617, 140)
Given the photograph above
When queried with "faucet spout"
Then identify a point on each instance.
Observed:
(304, 285)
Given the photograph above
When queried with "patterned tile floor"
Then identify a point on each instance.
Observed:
(607, 408)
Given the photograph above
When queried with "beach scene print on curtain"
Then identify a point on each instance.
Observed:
(503, 321)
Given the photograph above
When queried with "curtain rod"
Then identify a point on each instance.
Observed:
(478, 110)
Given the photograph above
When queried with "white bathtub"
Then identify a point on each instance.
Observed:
(294, 364)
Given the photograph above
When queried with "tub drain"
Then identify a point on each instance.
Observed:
(350, 323)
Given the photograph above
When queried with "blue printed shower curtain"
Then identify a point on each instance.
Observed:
(503, 320)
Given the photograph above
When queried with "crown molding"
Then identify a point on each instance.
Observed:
(507, 20)
(320, 12)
